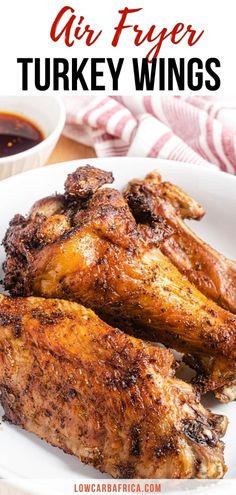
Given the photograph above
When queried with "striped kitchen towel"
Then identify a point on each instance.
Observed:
(193, 129)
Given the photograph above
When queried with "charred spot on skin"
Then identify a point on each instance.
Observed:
(85, 181)
(7, 320)
(14, 321)
(62, 423)
(130, 379)
(133, 398)
(123, 382)
(200, 383)
(142, 206)
(167, 448)
(47, 319)
(211, 339)
(135, 440)
(126, 471)
(17, 330)
(72, 393)
(199, 432)
(210, 311)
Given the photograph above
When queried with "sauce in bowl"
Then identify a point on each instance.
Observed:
(17, 134)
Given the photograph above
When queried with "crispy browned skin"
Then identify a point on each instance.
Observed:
(217, 369)
(151, 199)
(107, 262)
(101, 395)
(85, 181)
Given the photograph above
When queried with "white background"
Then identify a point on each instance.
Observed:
(25, 27)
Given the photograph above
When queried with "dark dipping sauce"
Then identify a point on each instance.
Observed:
(17, 134)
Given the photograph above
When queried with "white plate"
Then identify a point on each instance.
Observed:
(23, 455)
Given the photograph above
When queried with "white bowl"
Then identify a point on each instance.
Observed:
(48, 113)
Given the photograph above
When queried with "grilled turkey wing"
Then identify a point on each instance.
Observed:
(95, 253)
(101, 395)
(212, 273)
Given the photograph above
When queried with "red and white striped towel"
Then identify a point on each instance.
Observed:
(194, 129)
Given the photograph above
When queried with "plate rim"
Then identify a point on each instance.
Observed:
(35, 171)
